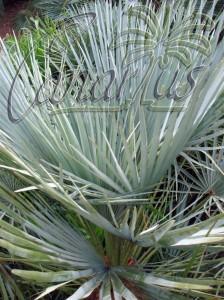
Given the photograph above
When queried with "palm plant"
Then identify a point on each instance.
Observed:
(105, 201)
(54, 9)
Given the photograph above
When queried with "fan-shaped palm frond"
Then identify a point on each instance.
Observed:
(106, 196)
(76, 140)
(53, 249)
(164, 38)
